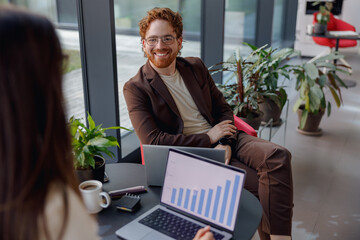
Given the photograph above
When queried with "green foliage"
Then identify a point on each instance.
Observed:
(274, 66)
(323, 16)
(256, 77)
(311, 79)
(91, 141)
(72, 60)
(243, 95)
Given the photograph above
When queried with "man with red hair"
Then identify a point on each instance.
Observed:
(174, 101)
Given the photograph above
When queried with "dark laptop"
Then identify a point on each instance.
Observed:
(155, 158)
(196, 192)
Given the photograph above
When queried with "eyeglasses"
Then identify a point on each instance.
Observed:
(167, 40)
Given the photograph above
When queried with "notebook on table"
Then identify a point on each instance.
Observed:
(196, 192)
(155, 157)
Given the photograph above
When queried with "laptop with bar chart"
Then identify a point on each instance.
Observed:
(196, 192)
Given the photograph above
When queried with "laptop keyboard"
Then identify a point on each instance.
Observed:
(173, 226)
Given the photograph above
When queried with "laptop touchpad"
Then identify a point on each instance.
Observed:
(156, 235)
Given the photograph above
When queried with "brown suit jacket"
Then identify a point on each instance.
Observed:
(154, 114)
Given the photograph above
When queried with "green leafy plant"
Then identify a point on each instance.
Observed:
(256, 76)
(323, 16)
(311, 79)
(243, 95)
(273, 69)
(90, 141)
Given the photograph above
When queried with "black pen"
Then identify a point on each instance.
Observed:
(121, 192)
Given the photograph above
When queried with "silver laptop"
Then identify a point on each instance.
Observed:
(196, 191)
(155, 157)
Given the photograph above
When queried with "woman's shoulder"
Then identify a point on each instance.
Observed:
(79, 224)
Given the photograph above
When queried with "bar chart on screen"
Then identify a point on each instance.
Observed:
(204, 190)
(218, 203)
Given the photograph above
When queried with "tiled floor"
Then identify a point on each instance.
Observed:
(326, 169)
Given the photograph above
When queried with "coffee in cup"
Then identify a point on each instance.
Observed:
(95, 200)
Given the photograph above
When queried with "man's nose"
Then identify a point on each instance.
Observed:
(160, 43)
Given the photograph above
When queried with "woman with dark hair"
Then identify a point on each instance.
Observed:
(39, 196)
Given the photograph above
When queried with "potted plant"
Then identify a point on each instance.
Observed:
(88, 145)
(312, 78)
(274, 96)
(240, 90)
(322, 18)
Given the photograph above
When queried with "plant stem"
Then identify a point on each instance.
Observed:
(240, 88)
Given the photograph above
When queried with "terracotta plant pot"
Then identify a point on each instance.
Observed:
(270, 110)
(90, 174)
(253, 122)
(312, 123)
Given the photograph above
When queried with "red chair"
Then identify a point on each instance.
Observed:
(335, 25)
(243, 126)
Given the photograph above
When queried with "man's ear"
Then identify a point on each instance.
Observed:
(143, 44)
(179, 41)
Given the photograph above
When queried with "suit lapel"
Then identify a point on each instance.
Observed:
(193, 86)
(159, 86)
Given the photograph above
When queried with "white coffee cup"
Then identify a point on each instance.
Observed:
(95, 200)
(310, 29)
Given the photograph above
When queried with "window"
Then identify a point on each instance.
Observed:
(240, 24)
(72, 81)
(67, 13)
(44, 7)
(278, 23)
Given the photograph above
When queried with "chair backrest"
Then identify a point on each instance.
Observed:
(142, 154)
(243, 126)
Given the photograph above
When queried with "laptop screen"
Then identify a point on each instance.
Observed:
(203, 188)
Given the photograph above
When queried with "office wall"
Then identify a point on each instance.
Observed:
(351, 13)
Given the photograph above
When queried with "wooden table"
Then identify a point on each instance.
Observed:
(124, 175)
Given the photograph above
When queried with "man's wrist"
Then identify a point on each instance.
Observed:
(227, 141)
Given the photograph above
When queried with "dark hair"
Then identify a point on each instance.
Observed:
(174, 18)
(35, 147)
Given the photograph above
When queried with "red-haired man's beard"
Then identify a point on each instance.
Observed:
(161, 58)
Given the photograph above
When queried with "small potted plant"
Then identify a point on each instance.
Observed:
(241, 89)
(322, 18)
(88, 145)
(312, 78)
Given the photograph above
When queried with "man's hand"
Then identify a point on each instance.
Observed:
(227, 149)
(204, 234)
(222, 129)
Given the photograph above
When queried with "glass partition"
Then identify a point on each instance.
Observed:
(44, 7)
(73, 80)
(67, 13)
(278, 23)
(240, 24)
